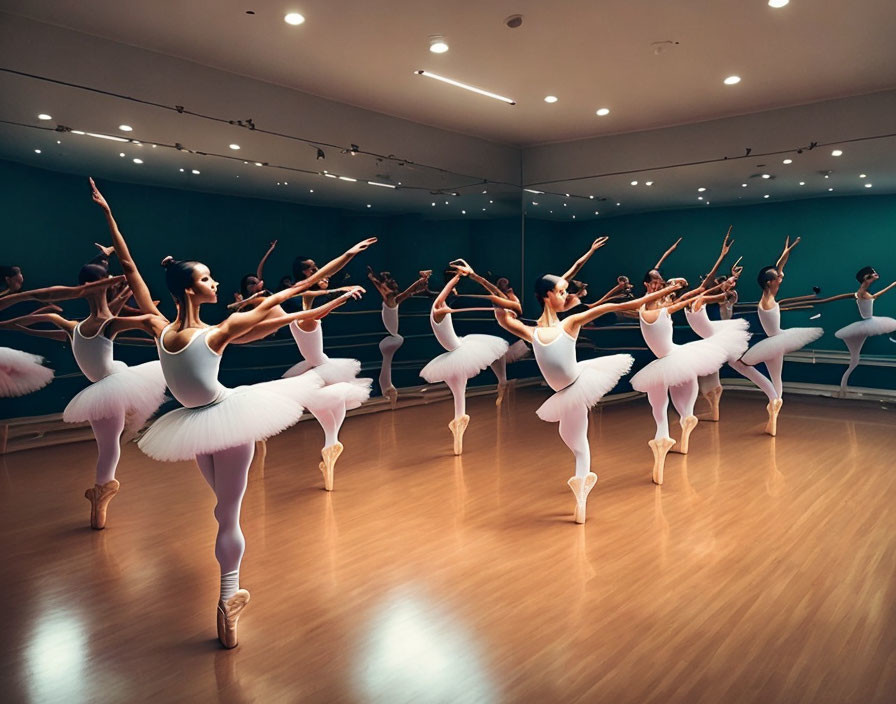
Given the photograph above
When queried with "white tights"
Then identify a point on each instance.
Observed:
(227, 472)
(330, 420)
(775, 367)
(458, 386)
(684, 396)
(574, 432)
(388, 347)
(854, 345)
(499, 367)
(708, 383)
(108, 434)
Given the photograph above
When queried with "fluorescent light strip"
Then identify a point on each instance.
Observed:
(107, 136)
(452, 82)
(347, 178)
(530, 190)
(381, 185)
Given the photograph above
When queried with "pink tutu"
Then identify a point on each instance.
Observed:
(134, 393)
(475, 353)
(597, 377)
(786, 341)
(869, 327)
(22, 373)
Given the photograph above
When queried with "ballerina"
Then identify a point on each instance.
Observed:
(466, 356)
(677, 367)
(218, 426)
(778, 342)
(578, 385)
(252, 285)
(393, 297)
(342, 390)
(855, 334)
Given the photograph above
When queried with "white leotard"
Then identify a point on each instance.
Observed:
(770, 319)
(310, 344)
(866, 307)
(94, 354)
(658, 334)
(699, 322)
(444, 332)
(390, 318)
(192, 373)
(726, 307)
(556, 359)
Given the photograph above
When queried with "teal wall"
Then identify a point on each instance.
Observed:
(839, 236)
(51, 224)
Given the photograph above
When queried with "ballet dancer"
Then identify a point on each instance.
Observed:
(217, 426)
(252, 285)
(677, 367)
(519, 349)
(393, 297)
(578, 385)
(120, 399)
(342, 390)
(855, 334)
(13, 279)
(778, 342)
(466, 356)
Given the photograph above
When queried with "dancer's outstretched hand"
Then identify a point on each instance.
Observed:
(599, 242)
(354, 292)
(362, 245)
(679, 283)
(461, 267)
(97, 196)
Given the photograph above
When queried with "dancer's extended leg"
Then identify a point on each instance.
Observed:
(458, 386)
(757, 377)
(854, 345)
(388, 347)
(661, 443)
(499, 367)
(684, 396)
(775, 367)
(107, 432)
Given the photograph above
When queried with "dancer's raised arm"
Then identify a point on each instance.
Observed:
(259, 272)
(574, 322)
(785, 255)
(726, 247)
(580, 262)
(326, 271)
(51, 294)
(667, 253)
(496, 295)
(883, 290)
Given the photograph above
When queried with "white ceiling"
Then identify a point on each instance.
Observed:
(589, 54)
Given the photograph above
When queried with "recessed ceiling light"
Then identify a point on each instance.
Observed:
(699, 197)
(830, 189)
(458, 84)
(550, 98)
(648, 183)
(619, 204)
(862, 175)
(463, 212)
(591, 197)
(787, 161)
(433, 204)
(634, 183)
(778, 3)
(765, 196)
(196, 171)
(294, 18)
(121, 154)
(802, 183)
(491, 201)
(234, 146)
(766, 175)
(827, 175)
(744, 185)
(58, 141)
(837, 152)
(867, 185)
(154, 146)
(181, 170)
(596, 213)
(438, 45)
(258, 163)
(368, 205)
(37, 151)
(701, 189)
(44, 116)
(125, 128)
(731, 80)
(138, 161)
(311, 190)
(603, 111)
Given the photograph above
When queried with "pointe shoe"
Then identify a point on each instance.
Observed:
(687, 427)
(581, 487)
(330, 455)
(99, 497)
(660, 449)
(773, 408)
(229, 615)
(713, 396)
(502, 389)
(457, 428)
(392, 394)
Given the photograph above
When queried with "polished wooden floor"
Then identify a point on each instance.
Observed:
(764, 570)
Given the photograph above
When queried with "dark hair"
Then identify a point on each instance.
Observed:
(863, 272)
(648, 277)
(244, 284)
(92, 272)
(297, 267)
(544, 285)
(767, 274)
(284, 282)
(179, 277)
(9, 271)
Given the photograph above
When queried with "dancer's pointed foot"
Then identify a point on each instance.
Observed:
(330, 455)
(773, 408)
(660, 449)
(687, 427)
(502, 389)
(229, 615)
(581, 487)
(457, 427)
(391, 393)
(99, 497)
(261, 452)
(713, 397)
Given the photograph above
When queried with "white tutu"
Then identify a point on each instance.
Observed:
(22, 373)
(516, 352)
(332, 371)
(243, 415)
(733, 335)
(134, 393)
(786, 341)
(869, 327)
(349, 394)
(687, 362)
(596, 377)
(475, 353)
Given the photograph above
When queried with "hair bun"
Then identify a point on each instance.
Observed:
(167, 261)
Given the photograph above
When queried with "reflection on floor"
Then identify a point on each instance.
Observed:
(762, 570)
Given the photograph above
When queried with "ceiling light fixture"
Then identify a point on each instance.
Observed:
(37, 151)
(138, 161)
(867, 185)
(830, 189)
(550, 98)
(765, 196)
(787, 161)
(232, 146)
(802, 183)
(382, 185)
(347, 178)
(125, 128)
(731, 80)
(258, 163)
(458, 84)
(766, 175)
(701, 189)
(862, 175)
(104, 136)
(648, 183)
(603, 111)
(531, 190)
(44, 116)
(837, 152)
(196, 171)
(121, 154)
(438, 45)
(634, 183)
(744, 185)
(778, 3)
(181, 170)
(294, 18)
